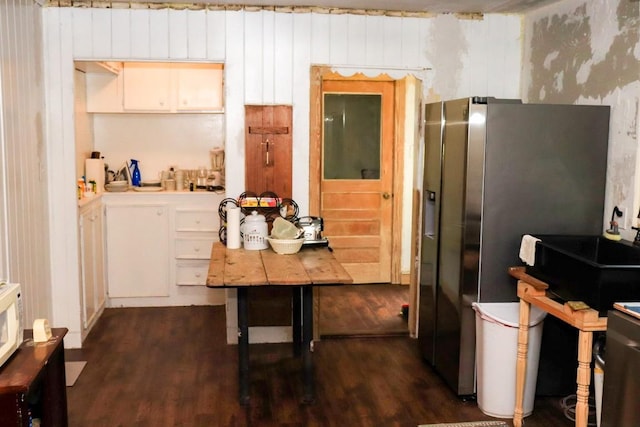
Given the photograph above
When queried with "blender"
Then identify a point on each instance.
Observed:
(216, 174)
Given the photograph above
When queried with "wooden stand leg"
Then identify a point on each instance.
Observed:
(521, 361)
(307, 342)
(585, 341)
(296, 324)
(243, 345)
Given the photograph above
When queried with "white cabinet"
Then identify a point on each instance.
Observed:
(104, 93)
(198, 87)
(138, 250)
(196, 230)
(103, 80)
(147, 86)
(158, 248)
(172, 87)
(91, 263)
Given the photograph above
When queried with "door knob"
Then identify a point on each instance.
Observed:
(386, 196)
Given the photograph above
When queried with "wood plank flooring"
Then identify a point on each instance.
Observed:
(171, 366)
(358, 310)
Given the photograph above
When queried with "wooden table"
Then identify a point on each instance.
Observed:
(243, 269)
(587, 321)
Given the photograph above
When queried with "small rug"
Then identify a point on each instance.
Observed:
(469, 424)
(72, 371)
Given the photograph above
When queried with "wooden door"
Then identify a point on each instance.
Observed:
(268, 167)
(268, 142)
(356, 175)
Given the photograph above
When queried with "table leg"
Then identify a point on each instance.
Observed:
(296, 324)
(243, 345)
(521, 361)
(307, 342)
(585, 341)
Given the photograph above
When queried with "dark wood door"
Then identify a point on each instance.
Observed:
(268, 142)
(268, 166)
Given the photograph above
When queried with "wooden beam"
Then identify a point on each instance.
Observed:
(266, 130)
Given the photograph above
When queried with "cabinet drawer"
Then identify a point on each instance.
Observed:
(194, 248)
(197, 220)
(192, 273)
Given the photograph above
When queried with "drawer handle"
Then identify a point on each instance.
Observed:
(197, 221)
(196, 249)
(197, 274)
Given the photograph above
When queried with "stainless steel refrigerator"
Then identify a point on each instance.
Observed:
(495, 170)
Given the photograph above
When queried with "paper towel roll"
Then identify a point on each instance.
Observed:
(94, 171)
(233, 228)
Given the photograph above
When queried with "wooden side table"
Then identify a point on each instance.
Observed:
(33, 382)
(532, 291)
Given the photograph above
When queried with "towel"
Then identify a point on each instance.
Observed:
(528, 249)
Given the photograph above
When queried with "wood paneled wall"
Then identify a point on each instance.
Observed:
(24, 230)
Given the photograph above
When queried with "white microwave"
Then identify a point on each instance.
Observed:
(11, 318)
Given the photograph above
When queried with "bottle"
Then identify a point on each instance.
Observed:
(80, 188)
(135, 173)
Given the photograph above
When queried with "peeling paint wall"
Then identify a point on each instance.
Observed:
(588, 52)
(471, 57)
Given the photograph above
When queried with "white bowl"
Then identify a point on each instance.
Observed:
(285, 246)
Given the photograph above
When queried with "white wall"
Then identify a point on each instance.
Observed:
(267, 58)
(24, 232)
(588, 52)
(158, 141)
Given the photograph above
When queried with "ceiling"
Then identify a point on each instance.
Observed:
(419, 6)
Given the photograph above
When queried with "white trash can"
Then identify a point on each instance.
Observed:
(496, 355)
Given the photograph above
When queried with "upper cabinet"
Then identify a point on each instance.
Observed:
(147, 86)
(192, 94)
(152, 87)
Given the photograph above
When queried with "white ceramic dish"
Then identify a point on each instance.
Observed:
(285, 246)
(147, 189)
(116, 189)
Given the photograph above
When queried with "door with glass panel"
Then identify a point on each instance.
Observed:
(356, 200)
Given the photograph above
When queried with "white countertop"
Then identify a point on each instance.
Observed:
(132, 193)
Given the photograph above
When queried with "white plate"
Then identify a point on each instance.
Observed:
(116, 189)
(143, 189)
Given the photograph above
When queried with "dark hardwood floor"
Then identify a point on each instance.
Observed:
(357, 310)
(171, 366)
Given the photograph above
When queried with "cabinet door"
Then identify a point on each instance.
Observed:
(268, 149)
(199, 87)
(91, 263)
(87, 263)
(104, 93)
(138, 250)
(98, 255)
(147, 87)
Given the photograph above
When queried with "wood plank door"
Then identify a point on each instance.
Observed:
(268, 166)
(268, 142)
(356, 184)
